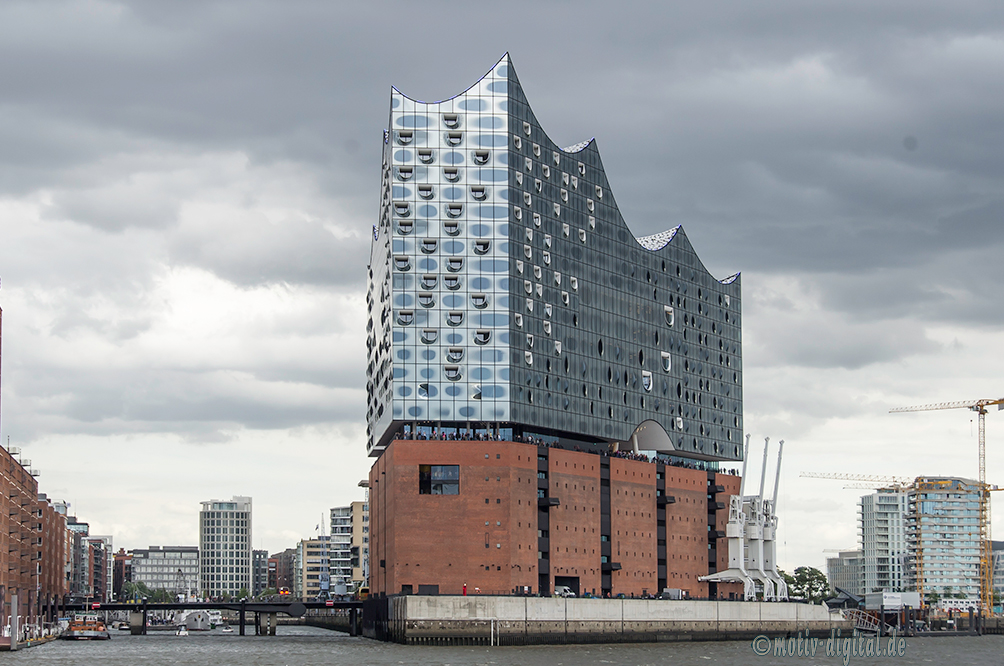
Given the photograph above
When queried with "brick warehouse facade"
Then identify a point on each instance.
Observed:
(526, 518)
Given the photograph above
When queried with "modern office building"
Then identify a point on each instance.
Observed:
(360, 551)
(846, 571)
(340, 554)
(171, 568)
(518, 335)
(272, 580)
(885, 552)
(312, 565)
(225, 547)
(105, 571)
(943, 516)
(80, 582)
(997, 553)
(259, 571)
(349, 547)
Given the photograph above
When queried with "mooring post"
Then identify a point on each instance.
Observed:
(257, 625)
(144, 616)
(243, 605)
(353, 618)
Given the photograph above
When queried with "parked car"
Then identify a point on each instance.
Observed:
(563, 591)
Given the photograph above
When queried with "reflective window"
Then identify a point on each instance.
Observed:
(439, 479)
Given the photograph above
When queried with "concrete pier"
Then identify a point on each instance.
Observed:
(449, 620)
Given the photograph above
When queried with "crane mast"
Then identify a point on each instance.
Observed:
(986, 556)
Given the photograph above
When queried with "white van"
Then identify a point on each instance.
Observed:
(563, 591)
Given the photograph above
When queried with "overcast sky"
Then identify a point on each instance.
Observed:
(187, 191)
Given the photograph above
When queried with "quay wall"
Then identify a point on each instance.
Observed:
(458, 620)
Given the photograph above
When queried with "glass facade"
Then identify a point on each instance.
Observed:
(225, 565)
(506, 292)
(171, 568)
(882, 525)
(944, 533)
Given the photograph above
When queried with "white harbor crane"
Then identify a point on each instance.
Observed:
(751, 533)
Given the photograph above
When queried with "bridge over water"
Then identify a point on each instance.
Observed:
(267, 610)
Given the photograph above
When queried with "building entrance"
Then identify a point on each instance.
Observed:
(571, 582)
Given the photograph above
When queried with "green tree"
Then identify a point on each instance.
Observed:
(268, 592)
(134, 591)
(788, 579)
(161, 596)
(808, 583)
(243, 594)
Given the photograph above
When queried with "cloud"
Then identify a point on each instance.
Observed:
(247, 248)
(187, 192)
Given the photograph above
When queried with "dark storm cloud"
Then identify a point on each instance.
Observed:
(776, 133)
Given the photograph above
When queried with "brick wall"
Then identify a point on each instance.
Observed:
(440, 540)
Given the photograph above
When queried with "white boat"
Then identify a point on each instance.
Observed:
(195, 620)
(182, 631)
(227, 629)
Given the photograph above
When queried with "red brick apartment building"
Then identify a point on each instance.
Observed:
(33, 543)
(507, 517)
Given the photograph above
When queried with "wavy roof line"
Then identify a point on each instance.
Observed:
(578, 147)
(653, 242)
(659, 240)
(505, 57)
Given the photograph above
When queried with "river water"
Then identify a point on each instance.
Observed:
(308, 646)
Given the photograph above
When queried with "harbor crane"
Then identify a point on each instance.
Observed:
(871, 480)
(986, 558)
(862, 481)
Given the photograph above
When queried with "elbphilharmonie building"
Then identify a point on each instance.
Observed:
(507, 294)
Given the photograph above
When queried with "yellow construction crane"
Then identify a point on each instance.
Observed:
(986, 556)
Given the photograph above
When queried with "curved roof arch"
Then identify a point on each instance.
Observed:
(503, 60)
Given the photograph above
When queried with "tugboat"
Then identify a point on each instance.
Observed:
(86, 628)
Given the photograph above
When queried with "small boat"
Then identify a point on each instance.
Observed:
(182, 630)
(86, 627)
(227, 629)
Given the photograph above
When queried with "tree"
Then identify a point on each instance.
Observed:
(788, 580)
(243, 594)
(134, 591)
(808, 583)
(268, 592)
